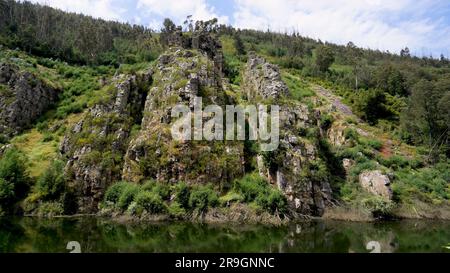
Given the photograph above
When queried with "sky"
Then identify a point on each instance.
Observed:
(422, 25)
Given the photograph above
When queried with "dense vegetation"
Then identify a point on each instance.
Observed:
(384, 89)
(46, 32)
(402, 97)
(181, 199)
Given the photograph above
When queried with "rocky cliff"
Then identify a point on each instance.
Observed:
(181, 76)
(95, 146)
(23, 98)
(101, 150)
(293, 167)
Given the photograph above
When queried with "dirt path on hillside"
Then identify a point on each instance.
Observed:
(335, 101)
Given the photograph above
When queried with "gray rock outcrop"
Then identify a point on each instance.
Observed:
(23, 98)
(376, 183)
(262, 79)
(95, 146)
(293, 166)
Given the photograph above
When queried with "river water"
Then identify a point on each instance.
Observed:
(24, 234)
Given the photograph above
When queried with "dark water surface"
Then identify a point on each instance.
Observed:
(101, 235)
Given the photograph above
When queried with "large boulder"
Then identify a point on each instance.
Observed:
(376, 183)
(23, 98)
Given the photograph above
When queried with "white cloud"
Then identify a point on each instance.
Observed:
(105, 9)
(382, 24)
(178, 10)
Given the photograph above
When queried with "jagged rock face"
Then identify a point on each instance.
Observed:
(23, 98)
(180, 76)
(376, 183)
(336, 134)
(202, 41)
(96, 144)
(293, 166)
(262, 79)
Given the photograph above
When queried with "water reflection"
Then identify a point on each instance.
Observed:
(100, 235)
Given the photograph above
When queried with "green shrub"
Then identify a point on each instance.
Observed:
(13, 178)
(203, 197)
(250, 186)
(230, 197)
(254, 188)
(114, 192)
(150, 201)
(162, 190)
(42, 126)
(378, 206)
(395, 162)
(128, 194)
(326, 121)
(47, 137)
(176, 210)
(182, 193)
(272, 201)
(364, 166)
(348, 191)
(148, 185)
(51, 183)
(7, 194)
(351, 134)
(372, 143)
(49, 209)
(431, 183)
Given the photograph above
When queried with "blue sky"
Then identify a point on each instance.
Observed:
(422, 25)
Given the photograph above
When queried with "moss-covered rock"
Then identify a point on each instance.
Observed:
(180, 76)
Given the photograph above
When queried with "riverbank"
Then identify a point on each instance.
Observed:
(416, 210)
(246, 214)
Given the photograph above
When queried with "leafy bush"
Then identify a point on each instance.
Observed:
(162, 190)
(13, 178)
(396, 162)
(254, 188)
(272, 201)
(114, 192)
(49, 209)
(364, 166)
(251, 186)
(7, 194)
(128, 194)
(52, 182)
(351, 134)
(176, 210)
(230, 197)
(203, 197)
(326, 121)
(372, 143)
(431, 183)
(182, 194)
(150, 201)
(378, 206)
(148, 185)
(47, 137)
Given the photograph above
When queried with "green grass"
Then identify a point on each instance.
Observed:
(39, 152)
(299, 89)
